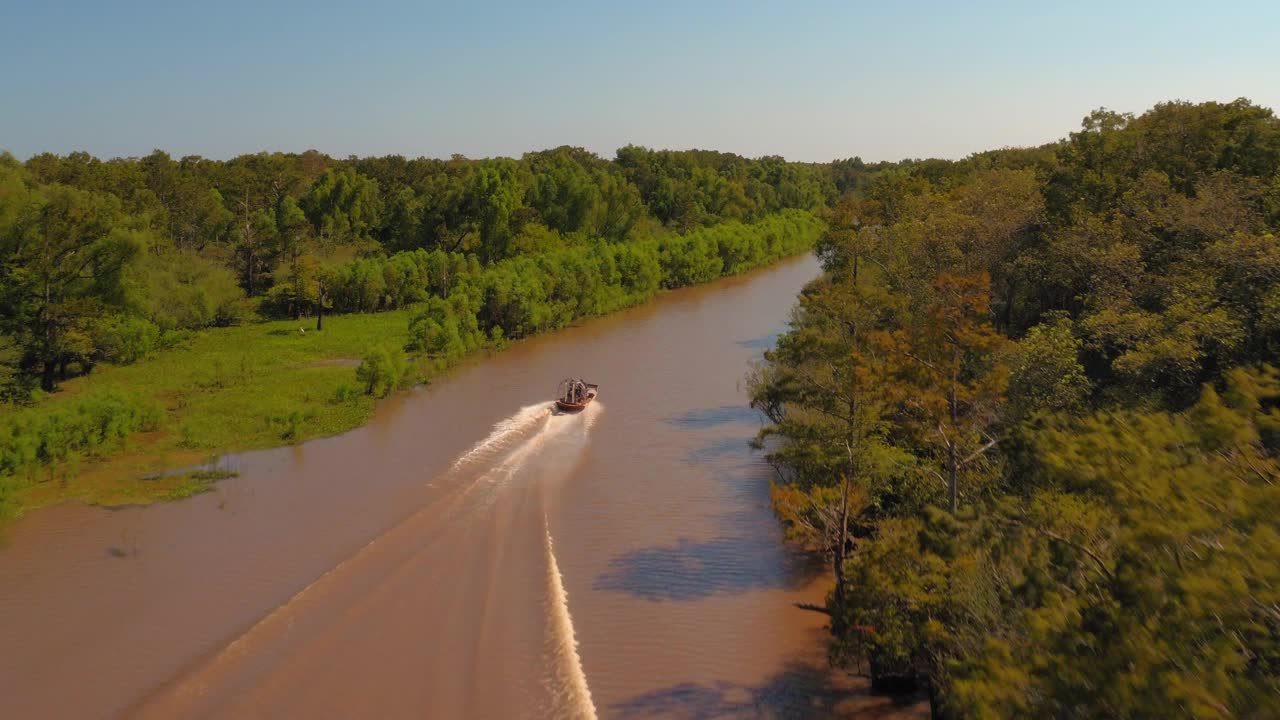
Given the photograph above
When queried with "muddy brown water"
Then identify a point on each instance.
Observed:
(468, 554)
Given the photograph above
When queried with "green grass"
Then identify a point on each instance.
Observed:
(235, 388)
(193, 483)
(226, 389)
(223, 390)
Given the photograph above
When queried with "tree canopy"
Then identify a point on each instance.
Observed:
(107, 260)
(1030, 414)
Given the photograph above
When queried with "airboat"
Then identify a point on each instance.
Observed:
(573, 394)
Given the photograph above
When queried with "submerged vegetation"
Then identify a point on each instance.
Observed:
(1031, 414)
(153, 311)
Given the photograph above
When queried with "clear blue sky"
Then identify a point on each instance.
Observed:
(808, 80)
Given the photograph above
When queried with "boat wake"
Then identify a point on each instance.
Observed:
(503, 433)
(571, 695)
(445, 607)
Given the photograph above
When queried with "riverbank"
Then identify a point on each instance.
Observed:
(660, 520)
(255, 386)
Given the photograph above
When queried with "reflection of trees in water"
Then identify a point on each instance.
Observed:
(704, 418)
(800, 690)
(764, 342)
(690, 570)
(748, 554)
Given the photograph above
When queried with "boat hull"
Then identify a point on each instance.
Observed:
(566, 406)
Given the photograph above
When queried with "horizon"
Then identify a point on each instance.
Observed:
(816, 83)
(611, 155)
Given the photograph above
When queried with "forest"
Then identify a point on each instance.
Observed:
(106, 263)
(1030, 412)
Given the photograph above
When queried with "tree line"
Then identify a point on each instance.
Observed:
(1030, 413)
(104, 261)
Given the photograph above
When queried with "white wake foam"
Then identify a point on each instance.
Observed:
(571, 692)
(503, 432)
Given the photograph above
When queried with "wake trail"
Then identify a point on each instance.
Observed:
(512, 446)
(504, 431)
(504, 434)
(571, 694)
(567, 681)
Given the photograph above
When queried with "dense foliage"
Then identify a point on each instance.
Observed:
(526, 295)
(1030, 414)
(31, 439)
(109, 260)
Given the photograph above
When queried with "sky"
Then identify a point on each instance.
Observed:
(811, 81)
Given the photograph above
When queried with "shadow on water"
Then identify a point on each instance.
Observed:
(741, 559)
(723, 449)
(691, 570)
(798, 691)
(704, 418)
(761, 343)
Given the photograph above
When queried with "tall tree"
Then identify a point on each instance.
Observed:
(344, 207)
(950, 377)
(62, 258)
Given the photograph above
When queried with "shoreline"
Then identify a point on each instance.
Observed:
(258, 386)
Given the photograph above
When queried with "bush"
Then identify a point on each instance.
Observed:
(184, 290)
(39, 436)
(122, 340)
(236, 312)
(523, 296)
(380, 372)
(345, 393)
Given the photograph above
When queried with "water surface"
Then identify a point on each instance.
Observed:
(468, 554)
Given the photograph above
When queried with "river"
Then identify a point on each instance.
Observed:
(468, 554)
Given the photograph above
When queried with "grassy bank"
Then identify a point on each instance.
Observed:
(275, 383)
(254, 386)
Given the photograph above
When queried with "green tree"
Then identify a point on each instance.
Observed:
(950, 377)
(64, 253)
(343, 207)
(297, 280)
(1045, 373)
(380, 372)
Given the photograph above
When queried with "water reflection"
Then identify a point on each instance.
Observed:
(765, 342)
(704, 418)
(718, 450)
(668, 504)
(692, 569)
(799, 691)
(740, 560)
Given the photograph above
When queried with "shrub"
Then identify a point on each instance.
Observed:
(38, 436)
(380, 372)
(122, 339)
(184, 290)
(345, 393)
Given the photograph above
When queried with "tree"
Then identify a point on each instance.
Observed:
(821, 390)
(563, 191)
(1153, 558)
(496, 197)
(299, 276)
(1045, 373)
(380, 372)
(951, 376)
(343, 207)
(64, 252)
